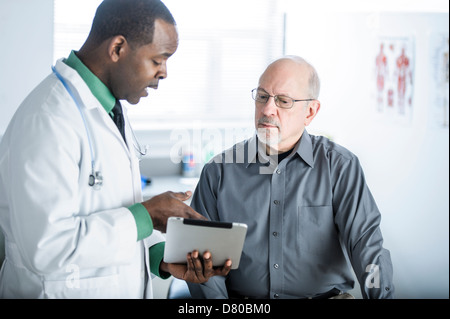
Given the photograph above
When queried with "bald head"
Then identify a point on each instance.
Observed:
(298, 69)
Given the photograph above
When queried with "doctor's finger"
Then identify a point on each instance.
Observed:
(223, 271)
(183, 195)
(194, 215)
(198, 266)
(189, 212)
(190, 263)
(208, 270)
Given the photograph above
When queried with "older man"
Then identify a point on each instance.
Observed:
(304, 198)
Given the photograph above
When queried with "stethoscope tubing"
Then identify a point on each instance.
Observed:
(95, 176)
(69, 90)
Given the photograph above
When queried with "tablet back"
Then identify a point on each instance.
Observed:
(223, 240)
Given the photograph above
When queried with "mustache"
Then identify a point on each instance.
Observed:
(268, 120)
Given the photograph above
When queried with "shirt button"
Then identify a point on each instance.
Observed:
(278, 171)
(276, 266)
(275, 234)
(276, 202)
(275, 295)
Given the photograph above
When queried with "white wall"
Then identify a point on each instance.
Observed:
(406, 162)
(26, 27)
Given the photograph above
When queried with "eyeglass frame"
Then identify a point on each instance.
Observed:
(276, 99)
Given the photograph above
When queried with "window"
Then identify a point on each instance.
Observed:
(224, 47)
(72, 19)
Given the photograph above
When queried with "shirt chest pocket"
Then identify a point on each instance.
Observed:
(316, 231)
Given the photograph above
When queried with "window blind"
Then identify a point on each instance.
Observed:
(224, 46)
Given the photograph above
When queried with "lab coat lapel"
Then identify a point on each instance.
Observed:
(98, 116)
(130, 143)
(88, 101)
(106, 120)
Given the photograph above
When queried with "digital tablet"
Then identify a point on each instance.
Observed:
(222, 239)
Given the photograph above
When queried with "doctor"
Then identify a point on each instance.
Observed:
(70, 192)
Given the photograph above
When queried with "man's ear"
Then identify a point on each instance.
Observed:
(117, 48)
(311, 111)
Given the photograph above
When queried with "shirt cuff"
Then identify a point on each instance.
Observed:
(156, 253)
(143, 220)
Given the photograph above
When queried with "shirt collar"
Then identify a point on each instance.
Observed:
(97, 87)
(303, 148)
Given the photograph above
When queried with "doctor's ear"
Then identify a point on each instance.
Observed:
(118, 47)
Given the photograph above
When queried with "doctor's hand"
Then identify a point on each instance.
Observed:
(198, 270)
(169, 204)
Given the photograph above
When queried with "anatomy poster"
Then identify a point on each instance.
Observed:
(393, 83)
(439, 74)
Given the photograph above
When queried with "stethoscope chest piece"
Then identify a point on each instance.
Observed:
(96, 180)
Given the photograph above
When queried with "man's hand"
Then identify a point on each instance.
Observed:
(198, 270)
(169, 204)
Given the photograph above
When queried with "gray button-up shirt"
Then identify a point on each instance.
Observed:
(307, 217)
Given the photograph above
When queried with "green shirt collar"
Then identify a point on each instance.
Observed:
(97, 87)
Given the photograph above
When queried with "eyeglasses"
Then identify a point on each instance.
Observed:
(281, 101)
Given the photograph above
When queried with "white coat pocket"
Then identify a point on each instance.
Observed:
(84, 288)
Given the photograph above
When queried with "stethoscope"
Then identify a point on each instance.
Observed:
(95, 178)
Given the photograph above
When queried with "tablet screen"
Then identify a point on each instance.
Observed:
(223, 239)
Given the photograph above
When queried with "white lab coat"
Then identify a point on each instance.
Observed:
(63, 239)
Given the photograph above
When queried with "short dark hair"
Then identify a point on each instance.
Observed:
(133, 19)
